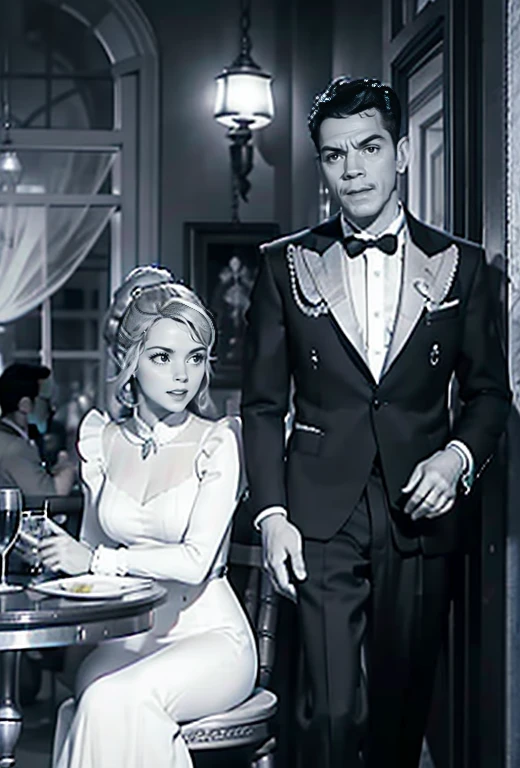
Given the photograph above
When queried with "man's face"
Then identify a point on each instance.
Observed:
(360, 164)
(41, 408)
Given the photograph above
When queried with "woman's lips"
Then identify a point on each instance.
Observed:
(177, 392)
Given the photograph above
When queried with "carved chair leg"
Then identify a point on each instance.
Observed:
(265, 757)
(266, 761)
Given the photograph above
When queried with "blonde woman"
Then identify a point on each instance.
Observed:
(161, 481)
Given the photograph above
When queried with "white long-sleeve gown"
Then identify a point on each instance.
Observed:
(170, 514)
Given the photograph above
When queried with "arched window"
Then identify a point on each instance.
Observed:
(80, 81)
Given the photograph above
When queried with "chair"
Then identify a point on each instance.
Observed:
(248, 725)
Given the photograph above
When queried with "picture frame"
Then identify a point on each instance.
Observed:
(221, 263)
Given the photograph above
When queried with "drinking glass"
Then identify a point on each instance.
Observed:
(33, 528)
(10, 513)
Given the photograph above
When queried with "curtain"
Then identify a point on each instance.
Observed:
(42, 245)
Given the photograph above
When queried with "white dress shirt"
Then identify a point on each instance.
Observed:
(373, 279)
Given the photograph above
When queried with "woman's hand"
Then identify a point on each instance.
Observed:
(62, 552)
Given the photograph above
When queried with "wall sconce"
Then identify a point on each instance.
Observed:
(243, 103)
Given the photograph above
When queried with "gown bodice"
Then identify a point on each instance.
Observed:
(171, 510)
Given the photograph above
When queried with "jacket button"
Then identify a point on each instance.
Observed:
(376, 403)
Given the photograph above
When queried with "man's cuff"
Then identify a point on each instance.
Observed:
(267, 512)
(468, 469)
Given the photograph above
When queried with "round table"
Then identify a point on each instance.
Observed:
(30, 619)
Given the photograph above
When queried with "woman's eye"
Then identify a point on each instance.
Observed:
(160, 358)
(197, 358)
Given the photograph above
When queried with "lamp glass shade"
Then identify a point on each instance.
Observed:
(244, 96)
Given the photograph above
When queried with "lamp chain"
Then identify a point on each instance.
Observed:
(245, 26)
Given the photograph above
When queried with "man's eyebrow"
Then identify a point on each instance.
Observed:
(326, 148)
(362, 143)
(370, 139)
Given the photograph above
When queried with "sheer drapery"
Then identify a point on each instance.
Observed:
(41, 245)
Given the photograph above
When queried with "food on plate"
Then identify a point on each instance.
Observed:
(80, 588)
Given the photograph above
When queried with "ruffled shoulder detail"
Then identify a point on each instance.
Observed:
(90, 436)
(224, 438)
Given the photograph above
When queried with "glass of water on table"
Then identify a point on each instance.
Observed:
(33, 528)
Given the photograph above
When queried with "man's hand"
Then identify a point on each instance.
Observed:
(433, 485)
(62, 552)
(281, 544)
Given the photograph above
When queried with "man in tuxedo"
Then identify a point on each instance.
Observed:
(368, 316)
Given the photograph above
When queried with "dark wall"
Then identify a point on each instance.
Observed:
(358, 38)
(197, 40)
(302, 44)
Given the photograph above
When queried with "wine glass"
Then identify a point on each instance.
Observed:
(10, 513)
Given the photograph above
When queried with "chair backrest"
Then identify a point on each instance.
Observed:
(254, 588)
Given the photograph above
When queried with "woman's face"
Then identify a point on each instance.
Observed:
(171, 367)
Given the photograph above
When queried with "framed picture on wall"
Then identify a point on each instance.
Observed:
(221, 263)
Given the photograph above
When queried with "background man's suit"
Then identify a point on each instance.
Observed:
(353, 447)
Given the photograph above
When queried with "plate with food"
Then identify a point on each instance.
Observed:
(92, 587)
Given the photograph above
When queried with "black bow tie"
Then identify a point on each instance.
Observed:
(355, 246)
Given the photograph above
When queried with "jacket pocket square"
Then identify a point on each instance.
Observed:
(442, 307)
(307, 428)
(308, 441)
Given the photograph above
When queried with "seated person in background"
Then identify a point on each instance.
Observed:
(22, 399)
(161, 483)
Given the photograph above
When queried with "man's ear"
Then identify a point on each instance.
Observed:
(25, 405)
(402, 154)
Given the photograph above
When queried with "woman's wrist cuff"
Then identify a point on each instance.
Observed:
(108, 562)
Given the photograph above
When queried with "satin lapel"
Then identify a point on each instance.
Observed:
(327, 273)
(427, 280)
(416, 270)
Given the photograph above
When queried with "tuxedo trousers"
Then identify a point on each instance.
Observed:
(372, 622)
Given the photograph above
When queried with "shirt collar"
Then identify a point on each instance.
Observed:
(13, 425)
(394, 228)
(160, 434)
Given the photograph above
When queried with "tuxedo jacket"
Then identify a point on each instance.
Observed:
(303, 340)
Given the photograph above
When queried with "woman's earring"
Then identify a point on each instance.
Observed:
(128, 394)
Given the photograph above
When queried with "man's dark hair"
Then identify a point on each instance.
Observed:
(344, 97)
(20, 380)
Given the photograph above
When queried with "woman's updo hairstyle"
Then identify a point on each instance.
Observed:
(147, 295)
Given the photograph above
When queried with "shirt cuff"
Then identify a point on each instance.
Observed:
(108, 562)
(267, 512)
(468, 468)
